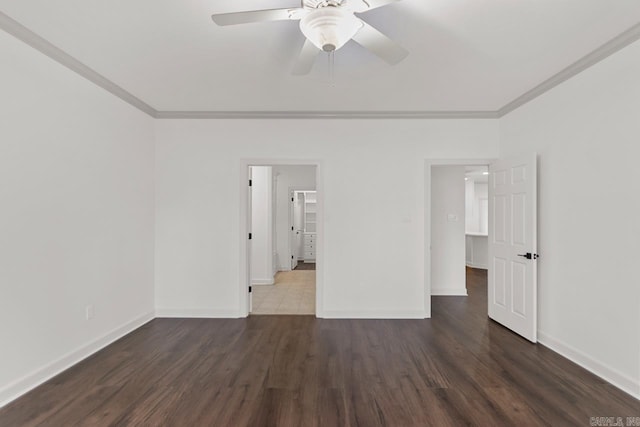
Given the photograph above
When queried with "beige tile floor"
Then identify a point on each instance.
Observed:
(293, 293)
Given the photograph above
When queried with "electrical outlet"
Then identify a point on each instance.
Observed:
(89, 312)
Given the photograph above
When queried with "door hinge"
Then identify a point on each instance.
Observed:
(292, 228)
(249, 236)
(291, 256)
(250, 183)
(292, 199)
(249, 289)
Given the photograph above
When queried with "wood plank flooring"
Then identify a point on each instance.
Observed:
(456, 369)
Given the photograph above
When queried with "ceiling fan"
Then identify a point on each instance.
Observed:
(327, 26)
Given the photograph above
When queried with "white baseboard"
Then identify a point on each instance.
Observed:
(197, 313)
(447, 292)
(40, 375)
(258, 282)
(607, 373)
(373, 314)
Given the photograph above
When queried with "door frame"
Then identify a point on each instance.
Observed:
(245, 215)
(429, 163)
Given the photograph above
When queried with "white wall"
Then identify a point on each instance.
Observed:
(261, 226)
(374, 193)
(287, 177)
(476, 207)
(586, 132)
(76, 217)
(469, 199)
(481, 206)
(447, 230)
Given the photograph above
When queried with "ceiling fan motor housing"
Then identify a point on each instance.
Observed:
(317, 4)
(330, 27)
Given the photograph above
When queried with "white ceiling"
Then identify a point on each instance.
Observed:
(465, 55)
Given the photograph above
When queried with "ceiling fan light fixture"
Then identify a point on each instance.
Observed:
(329, 28)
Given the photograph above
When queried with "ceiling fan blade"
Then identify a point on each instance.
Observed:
(306, 59)
(379, 44)
(364, 5)
(235, 18)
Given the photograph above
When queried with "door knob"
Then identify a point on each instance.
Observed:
(529, 255)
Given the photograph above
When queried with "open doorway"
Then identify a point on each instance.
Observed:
(459, 229)
(510, 230)
(476, 216)
(303, 229)
(283, 239)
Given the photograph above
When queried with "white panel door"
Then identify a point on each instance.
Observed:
(512, 281)
(293, 231)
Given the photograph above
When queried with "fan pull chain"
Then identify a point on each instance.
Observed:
(332, 68)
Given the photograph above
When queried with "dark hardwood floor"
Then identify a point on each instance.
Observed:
(305, 266)
(456, 369)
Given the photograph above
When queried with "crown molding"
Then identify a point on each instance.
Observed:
(327, 115)
(24, 34)
(614, 45)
